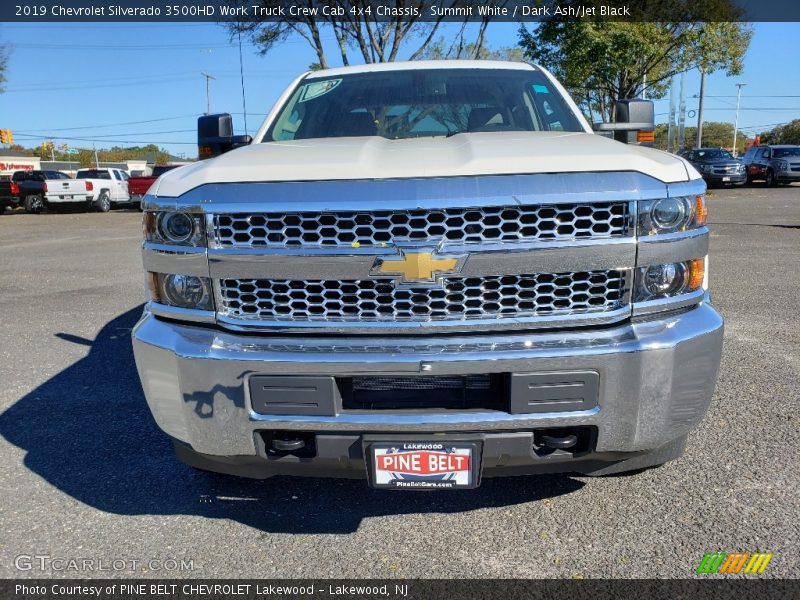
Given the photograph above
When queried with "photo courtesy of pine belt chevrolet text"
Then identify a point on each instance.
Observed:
(423, 274)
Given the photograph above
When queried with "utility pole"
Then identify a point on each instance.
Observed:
(96, 162)
(208, 91)
(700, 108)
(739, 87)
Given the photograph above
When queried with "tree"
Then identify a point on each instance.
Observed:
(788, 133)
(358, 28)
(602, 61)
(442, 50)
(715, 135)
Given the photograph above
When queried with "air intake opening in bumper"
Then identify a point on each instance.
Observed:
(450, 392)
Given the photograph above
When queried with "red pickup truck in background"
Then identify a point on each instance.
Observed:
(138, 186)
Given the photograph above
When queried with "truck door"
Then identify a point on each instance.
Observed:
(120, 187)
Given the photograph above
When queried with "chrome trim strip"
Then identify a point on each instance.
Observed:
(512, 259)
(672, 247)
(693, 187)
(397, 194)
(664, 304)
(481, 421)
(160, 258)
(428, 327)
(183, 314)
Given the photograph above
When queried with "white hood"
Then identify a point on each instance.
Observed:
(490, 153)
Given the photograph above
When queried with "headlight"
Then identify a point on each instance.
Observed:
(669, 280)
(782, 165)
(183, 291)
(706, 168)
(669, 215)
(174, 227)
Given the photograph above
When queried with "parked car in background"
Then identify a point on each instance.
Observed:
(773, 164)
(138, 186)
(38, 190)
(110, 186)
(717, 166)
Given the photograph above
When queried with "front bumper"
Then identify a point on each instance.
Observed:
(725, 179)
(787, 176)
(657, 377)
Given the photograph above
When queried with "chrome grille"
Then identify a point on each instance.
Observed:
(456, 225)
(459, 298)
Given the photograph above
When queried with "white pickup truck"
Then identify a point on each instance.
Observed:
(424, 274)
(109, 186)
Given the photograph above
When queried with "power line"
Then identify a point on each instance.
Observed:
(86, 139)
(111, 135)
(116, 124)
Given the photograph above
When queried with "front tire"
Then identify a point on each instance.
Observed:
(34, 204)
(103, 202)
(770, 180)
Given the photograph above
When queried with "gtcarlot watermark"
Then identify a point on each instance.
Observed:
(62, 564)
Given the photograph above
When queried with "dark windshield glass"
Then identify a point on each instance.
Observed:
(161, 169)
(703, 155)
(423, 103)
(781, 152)
(93, 174)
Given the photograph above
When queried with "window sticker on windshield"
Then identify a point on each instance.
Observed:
(317, 89)
(540, 89)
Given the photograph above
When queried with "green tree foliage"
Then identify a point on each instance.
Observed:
(715, 135)
(602, 61)
(788, 133)
(85, 156)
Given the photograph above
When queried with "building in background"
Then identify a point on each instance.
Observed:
(16, 160)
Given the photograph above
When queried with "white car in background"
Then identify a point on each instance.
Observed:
(108, 186)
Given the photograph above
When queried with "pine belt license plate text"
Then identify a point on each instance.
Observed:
(421, 465)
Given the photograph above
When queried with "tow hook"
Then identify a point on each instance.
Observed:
(559, 442)
(288, 445)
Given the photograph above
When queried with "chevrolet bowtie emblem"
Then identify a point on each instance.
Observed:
(417, 266)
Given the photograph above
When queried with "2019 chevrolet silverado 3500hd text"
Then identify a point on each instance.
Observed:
(424, 274)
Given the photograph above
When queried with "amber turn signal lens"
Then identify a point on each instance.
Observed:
(700, 211)
(697, 272)
(646, 137)
(151, 282)
(148, 224)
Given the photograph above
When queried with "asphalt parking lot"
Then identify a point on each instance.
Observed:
(86, 474)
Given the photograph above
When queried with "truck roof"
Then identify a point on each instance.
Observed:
(421, 64)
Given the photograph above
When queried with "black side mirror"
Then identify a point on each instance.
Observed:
(635, 122)
(215, 135)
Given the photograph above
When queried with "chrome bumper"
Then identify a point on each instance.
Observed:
(657, 377)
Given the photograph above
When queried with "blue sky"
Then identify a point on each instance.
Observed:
(100, 81)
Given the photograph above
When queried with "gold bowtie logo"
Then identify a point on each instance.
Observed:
(415, 267)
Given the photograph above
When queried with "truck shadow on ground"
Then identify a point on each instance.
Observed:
(88, 432)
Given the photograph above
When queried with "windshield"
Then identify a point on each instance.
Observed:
(423, 103)
(160, 170)
(93, 174)
(712, 154)
(781, 152)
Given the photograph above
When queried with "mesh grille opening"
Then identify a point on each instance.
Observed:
(468, 392)
(455, 225)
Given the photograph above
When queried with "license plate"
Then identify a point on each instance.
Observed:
(421, 465)
(66, 197)
(726, 179)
